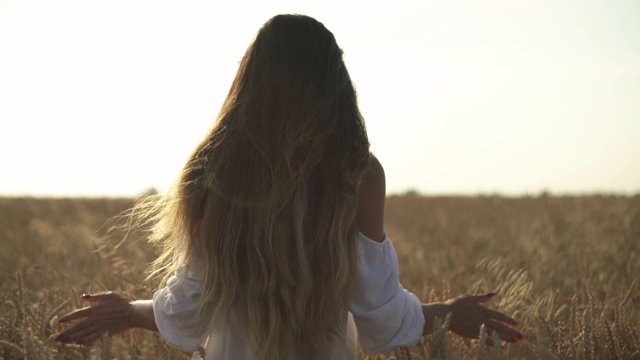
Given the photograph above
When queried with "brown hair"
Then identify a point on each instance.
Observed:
(267, 201)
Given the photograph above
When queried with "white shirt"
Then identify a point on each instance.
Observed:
(379, 313)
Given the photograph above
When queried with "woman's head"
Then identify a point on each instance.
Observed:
(297, 47)
(267, 201)
(293, 100)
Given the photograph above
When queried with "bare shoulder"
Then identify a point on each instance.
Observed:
(371, 198)
(375, 170)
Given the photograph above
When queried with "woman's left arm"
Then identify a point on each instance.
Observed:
(142, 315)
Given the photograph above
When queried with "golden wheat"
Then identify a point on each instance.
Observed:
(564, 267)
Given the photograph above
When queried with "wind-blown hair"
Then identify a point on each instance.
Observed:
(267, 201)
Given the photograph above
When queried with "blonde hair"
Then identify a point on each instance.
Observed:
(268, 199)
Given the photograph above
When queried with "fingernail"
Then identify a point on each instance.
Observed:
(86, 296)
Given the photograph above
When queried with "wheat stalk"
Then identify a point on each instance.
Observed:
(497, 346)
(12, 345)
(52, 318)
(482, 341)
(106, 347)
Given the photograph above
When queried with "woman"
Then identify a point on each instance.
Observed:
(272, 239)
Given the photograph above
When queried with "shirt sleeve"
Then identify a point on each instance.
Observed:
(174, 308)
(386, 315)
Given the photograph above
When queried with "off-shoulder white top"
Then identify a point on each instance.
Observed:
(380, 313)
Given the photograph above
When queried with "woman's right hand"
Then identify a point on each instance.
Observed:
(468, 314)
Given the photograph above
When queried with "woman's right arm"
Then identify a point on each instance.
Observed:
(467, 312)
(371, 198)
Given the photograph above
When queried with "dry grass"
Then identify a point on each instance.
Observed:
(565, 267)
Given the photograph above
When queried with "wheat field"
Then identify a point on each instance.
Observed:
(565, 267)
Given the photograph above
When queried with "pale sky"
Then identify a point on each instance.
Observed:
(108, 98)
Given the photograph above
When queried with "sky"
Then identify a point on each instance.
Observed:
(109, 97)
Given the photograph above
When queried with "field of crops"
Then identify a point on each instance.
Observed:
(564, 267)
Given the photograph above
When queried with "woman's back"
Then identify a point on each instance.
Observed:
(385, 315)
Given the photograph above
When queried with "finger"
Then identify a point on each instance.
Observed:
(86, 328)
(481, 299)
(78, 333)
(95, 336)
(93, 298)
(504, 332)
(75, 315)
(496, 315)
(70, 334)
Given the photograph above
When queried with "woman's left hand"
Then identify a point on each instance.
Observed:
(108, 312)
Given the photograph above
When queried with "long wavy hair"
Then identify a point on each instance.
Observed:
(267, 201)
